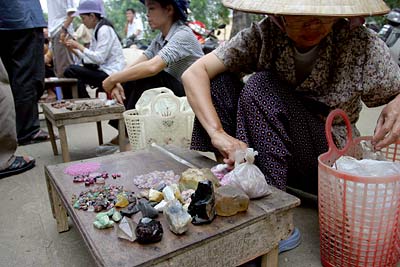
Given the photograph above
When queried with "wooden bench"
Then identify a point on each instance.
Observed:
(60, 117)
(227, 241)
(64, 83)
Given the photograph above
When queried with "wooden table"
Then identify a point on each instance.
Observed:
(60, 117)
(63, 82)
(227, 241)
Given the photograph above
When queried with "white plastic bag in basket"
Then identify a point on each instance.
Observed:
(367, 167)
(247, 176)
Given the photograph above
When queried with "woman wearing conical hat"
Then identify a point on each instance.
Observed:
(306, 59)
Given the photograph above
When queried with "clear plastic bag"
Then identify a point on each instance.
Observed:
(247, 176)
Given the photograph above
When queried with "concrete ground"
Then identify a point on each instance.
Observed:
(28, 231)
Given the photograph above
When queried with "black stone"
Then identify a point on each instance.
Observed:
(147, 210)
(130, 210)
(148, 231)
(202, 206)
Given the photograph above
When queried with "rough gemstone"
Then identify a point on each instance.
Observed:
(230, 200)
(130, 210)
(191, 177)
(202, 206)
(147, 210)
(178, 218)
(155, 195)
(148, 231)
(126, 229)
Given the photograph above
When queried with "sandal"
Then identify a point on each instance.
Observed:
(40, 136)
(291, 242)
(18, 166)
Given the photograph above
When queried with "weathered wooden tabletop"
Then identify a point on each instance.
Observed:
(64, 113)
(227, 241)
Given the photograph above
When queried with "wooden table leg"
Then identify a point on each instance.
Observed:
(74, 89)
(59, 211)
(270, 259)
(99, 132)
(52, 136)
(64, 144)
(49, 190)
(121, 134)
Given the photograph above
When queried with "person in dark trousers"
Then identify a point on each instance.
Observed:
(104, 55)
(21, 32)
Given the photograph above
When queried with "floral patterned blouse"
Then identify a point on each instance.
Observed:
(352, 65)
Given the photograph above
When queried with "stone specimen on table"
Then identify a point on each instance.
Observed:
(155, 195)
(186, 196)
(131, 197)
(122, 201)
(100, 180)
(103, 221)
(177, 192)
(130, 210)
(160, 206)
(143, 193)
(148, 231)
(202, 206)
(160, 186)
(177, 217)
(126, 229)
(168, 193)
(147, 210)
(116, 216)
(211, 177)
(230, 200)
(192, 176)
(155, 179)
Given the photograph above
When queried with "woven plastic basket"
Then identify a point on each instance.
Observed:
(358, 215)
(163, 119)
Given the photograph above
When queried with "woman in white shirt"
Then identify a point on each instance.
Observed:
(104, 55)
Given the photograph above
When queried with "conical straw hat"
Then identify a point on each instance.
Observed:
(340, 8)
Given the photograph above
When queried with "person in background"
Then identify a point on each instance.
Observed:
(172, 51)
(390, 33)
(104, 55)
(21, 32)
(49, 70)
(83, 35)
(9, 163)
(60, 25)
(133, 26)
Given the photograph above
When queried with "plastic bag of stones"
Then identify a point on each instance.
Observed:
(247, 176)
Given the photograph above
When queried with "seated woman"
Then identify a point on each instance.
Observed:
(173, 50)
(104, 55)
(304, 66)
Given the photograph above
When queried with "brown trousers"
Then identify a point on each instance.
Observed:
(8, 133)
(62, 57)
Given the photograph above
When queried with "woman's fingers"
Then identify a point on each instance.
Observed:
(116, 94)
(387, 129)
(227, 146)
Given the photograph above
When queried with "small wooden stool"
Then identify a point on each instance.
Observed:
(63, 82)
(60, 117)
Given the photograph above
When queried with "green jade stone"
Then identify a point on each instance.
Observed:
(117, 216)
(99, 225)
(76, 204)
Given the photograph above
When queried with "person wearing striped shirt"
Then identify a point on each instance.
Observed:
(172, 51)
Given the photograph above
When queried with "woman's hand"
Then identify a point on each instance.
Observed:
(118, 93)
(74, 44)
(227, 145)
(387, 130)
(109, 84)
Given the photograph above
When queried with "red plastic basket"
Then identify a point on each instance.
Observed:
(358, 215)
